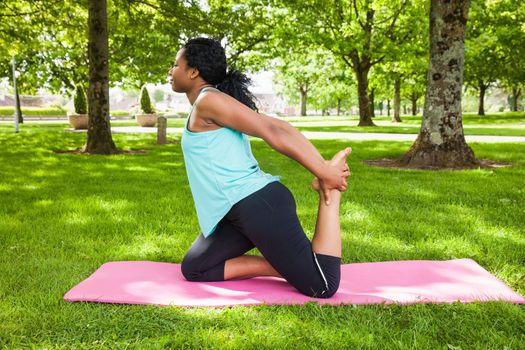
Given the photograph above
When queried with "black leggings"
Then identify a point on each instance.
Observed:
(266, 219)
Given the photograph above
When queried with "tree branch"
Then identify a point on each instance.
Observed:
(377, 61)
(357, 15)
(394, 19)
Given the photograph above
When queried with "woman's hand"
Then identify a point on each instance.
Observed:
(334, 174)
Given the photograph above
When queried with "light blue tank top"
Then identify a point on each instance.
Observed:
(221, 171)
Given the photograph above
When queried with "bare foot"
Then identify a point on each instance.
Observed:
(339, 159)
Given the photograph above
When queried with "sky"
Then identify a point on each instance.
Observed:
(262, 82)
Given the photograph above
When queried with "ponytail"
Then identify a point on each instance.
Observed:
(236, 85)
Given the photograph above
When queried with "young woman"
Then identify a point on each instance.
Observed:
(239, 206)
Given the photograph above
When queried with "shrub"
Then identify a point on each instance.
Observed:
(29, 111)
(7, 110)
(119, 113)
(145, 102)
(158, 95)
(48, 111)
(80, 100)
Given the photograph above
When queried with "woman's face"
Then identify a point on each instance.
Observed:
(180, 74)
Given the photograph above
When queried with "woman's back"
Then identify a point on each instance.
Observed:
(221, 171)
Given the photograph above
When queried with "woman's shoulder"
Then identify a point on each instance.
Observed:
(213, 100)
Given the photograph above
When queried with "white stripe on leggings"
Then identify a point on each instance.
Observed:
(321, 271)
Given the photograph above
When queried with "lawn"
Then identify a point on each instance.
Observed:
(502, 124)
(63, 215)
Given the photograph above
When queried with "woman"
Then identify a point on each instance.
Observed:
(240, 207)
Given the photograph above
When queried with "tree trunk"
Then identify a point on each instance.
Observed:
(99, 140)
(338, 106)
(515, 97)
(397, 101)
(388, 108)
(18, 106)
(365, 118)
(303, 102)
(441, 141)
(372, 104)
(481, 107)
(413, 99)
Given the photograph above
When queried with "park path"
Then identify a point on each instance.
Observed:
(325, 135)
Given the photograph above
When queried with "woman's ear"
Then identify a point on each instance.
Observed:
(194, 73)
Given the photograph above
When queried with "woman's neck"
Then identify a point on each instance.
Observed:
(194, 93)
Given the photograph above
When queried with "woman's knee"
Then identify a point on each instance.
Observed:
(330, 270)
(194, 270)
(322, 292)
(190, 269)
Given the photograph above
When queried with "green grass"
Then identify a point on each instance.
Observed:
(63, 215)
(501, 124)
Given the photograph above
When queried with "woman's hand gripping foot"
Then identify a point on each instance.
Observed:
(336, 174)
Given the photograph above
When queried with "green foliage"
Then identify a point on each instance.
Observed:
(494, 50)
(334, 88)
(119, 113)
(29, 111)
(145, 101)
(249, 28)
(52, 47)
(80, 101)
(158, 95)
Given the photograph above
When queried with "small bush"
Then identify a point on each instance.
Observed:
(145, 102)
(80, 100)
(119, 113)
(9, 111)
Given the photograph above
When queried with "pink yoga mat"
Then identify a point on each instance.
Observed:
(404, 282)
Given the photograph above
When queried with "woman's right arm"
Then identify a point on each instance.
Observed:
(286, 139)
(280, 135)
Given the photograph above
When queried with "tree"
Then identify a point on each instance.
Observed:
(494, 50)
(300, 70)
(53, 49)
(334, 90)
(509, 22)
(441, 141)
(482, 55)
(99, 140)
(247, 29)
(415, 89)
(50, 43)
(16, 43)
(360, 33)
(145, 55)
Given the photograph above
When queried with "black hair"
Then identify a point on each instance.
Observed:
(209, 57)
